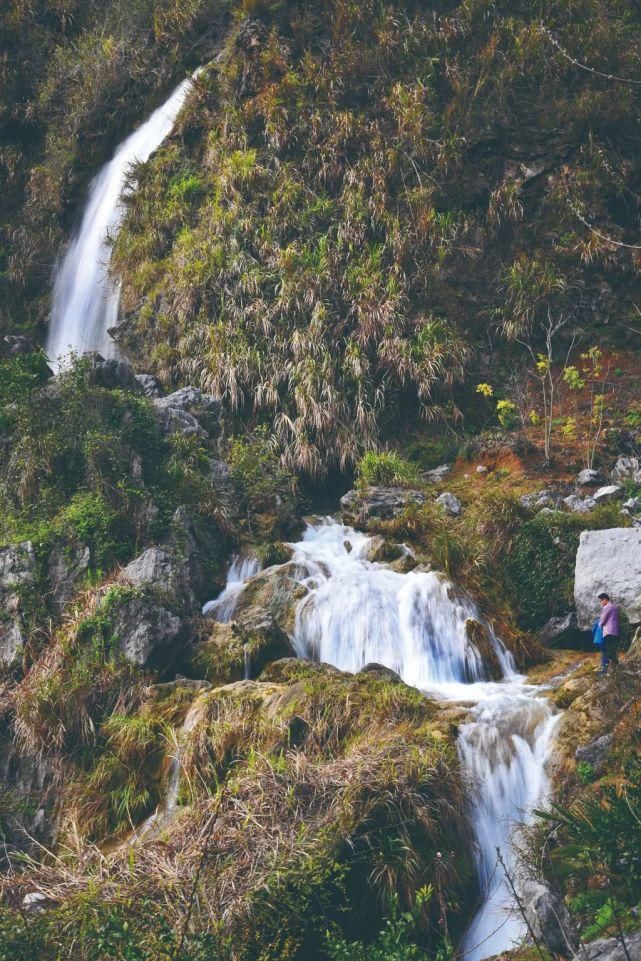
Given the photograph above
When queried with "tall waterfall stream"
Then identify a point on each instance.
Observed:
(358, 612)
(85, 299)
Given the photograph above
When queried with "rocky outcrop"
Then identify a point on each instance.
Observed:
(150, 385)
(112, 374)
(277, 590)
(378, 503)
(579, 505)
(548, 917)
(17, 579)
(244, 648)
(189, 412)
(165, 574)
(437, 474)
(559, 629)
(146, 633)
(608, 560)
(627, 469)
(611, 949)
(596, 752)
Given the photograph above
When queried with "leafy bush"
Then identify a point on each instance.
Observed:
(386, 468)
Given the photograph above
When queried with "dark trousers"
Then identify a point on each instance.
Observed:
(609, 650)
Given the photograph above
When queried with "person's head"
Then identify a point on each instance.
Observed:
(604, 599)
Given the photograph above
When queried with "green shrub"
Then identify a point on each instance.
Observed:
(386, 468)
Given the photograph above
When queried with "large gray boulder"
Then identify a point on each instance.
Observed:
(190, 412)
(590, 478)
(548, 917)
(161, 571)
(17, 578)
(611, 949)
(608, 560)
(379, 503)
(147, 634)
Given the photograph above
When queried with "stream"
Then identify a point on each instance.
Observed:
(358, 612)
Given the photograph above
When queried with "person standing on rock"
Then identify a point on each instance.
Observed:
(609, 622)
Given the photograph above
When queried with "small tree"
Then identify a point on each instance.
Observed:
(593, 375)
(545, 369)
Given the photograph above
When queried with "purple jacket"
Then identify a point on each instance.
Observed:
(609, 619)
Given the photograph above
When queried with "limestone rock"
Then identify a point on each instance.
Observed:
(596, 752)
(633, 504)
(611, 949)
(481, 469)
(558, 629)
(437, 474)
(449, 503)
(590, 478)
(579, 505)
(608, 560)
(609, 493)
(548, 917)
(189, 412)
(162, 572)
(627, 468)
(112, 374)
(17, 576)
(380, 503)
(150, 385)
(148, 634)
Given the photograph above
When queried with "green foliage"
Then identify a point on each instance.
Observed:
(394, 943)
(386, 468)
(273, 553)
(600, 836)
(585, 772)
(507, 413)
(258, 473)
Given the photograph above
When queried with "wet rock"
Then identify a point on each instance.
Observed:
(17, 578)
(150, 385)
(382, 673)
(376, 550)
(112, 374)
(68, 565)
(379, 503)
(406, 562)
(148, 634)
(611, 949)
(609, 493)
(437, 474)
(243, 648)
(590, 478)
(548, 917)
(189, 412)
(450, 504)
(559, 629)
(596, 752)
(627, 468)
(277, 590)
(608, 560)
(479, 637)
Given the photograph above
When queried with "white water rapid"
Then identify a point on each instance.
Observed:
(85, 300)
(358, 612)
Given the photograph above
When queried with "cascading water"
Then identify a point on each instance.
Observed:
(241, 570)
(85, 300)
(357, 612)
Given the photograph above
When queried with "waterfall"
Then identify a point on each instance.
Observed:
(240, 570)
(356, 612)
(85, 299)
